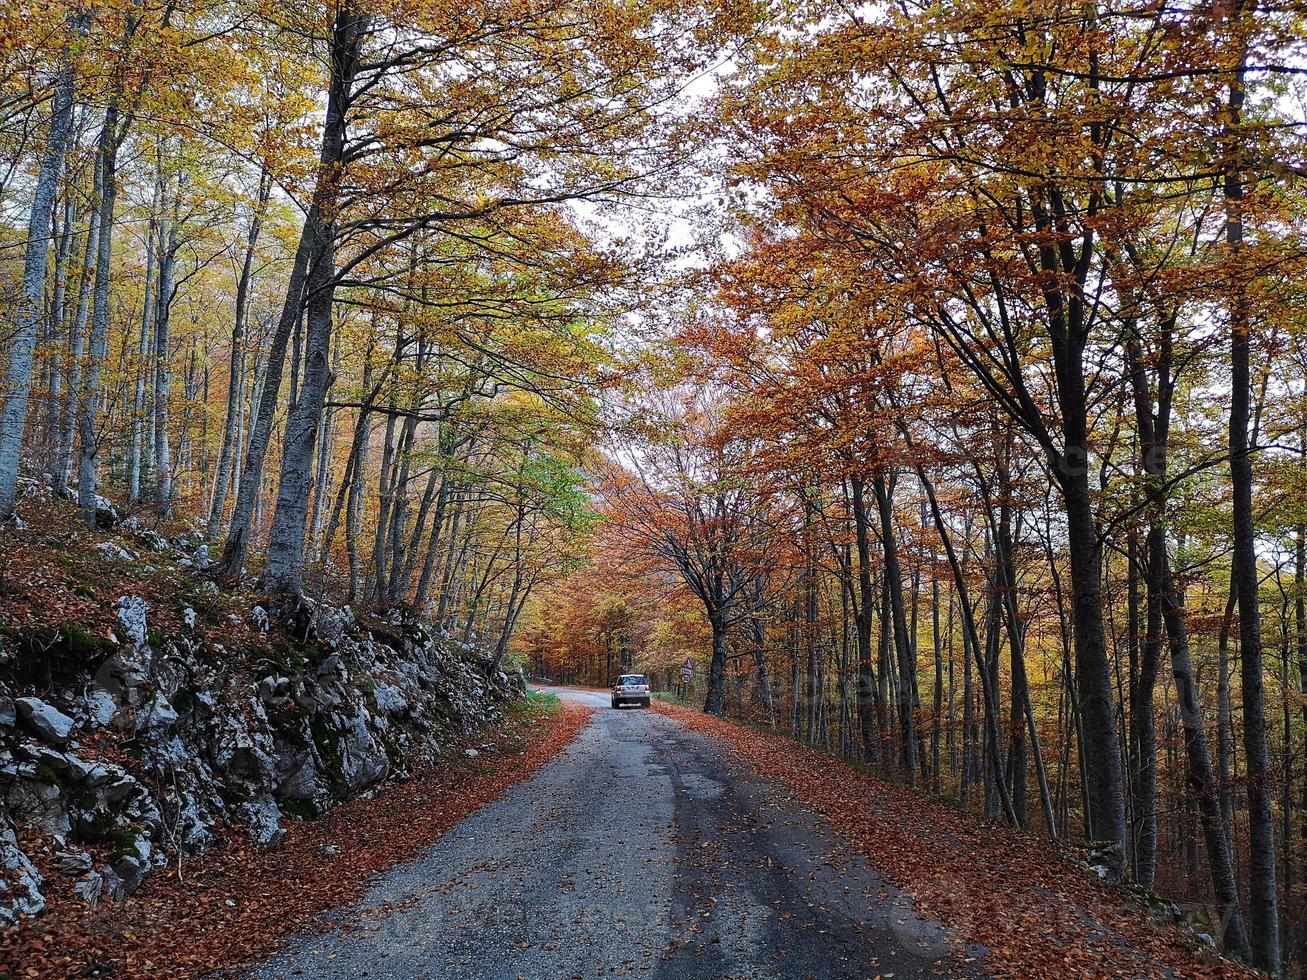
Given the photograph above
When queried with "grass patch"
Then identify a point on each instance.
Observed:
(534, 708)
(671, 698)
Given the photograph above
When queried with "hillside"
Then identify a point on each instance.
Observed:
(149, 717)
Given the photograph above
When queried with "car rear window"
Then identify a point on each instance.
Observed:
(630, 680)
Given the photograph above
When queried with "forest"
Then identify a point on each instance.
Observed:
(931, 377)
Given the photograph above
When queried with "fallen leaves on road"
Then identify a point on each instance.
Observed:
(239, 904)
(1038, 914)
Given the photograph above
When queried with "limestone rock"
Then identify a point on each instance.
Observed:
(114, 551)
(20, 882)
(132, 863)
(90, 889)
(73, 863)
(100, 706)
(47, 722)
(155, 541)
(390, 700)
(263, 818)
(213, 745)
(132, 611)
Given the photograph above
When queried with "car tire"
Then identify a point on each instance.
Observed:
(616, 705)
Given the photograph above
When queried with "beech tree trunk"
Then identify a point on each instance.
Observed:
(715, 701)
(285, 561)
(71, 410)
(1263, 894)
(13, 421)
(89, 452)
(864, 606)
(162, 368)
(907, 668)
(236, 546)
(228, 450)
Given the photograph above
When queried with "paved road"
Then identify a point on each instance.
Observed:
(636, 852)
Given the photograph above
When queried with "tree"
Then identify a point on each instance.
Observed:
(35, 267)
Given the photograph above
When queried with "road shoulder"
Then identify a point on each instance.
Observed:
(1035, 912)
(241, 904)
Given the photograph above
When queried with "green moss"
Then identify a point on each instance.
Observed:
(81, 643)
(44, 774)
(124, 843)
(205, 604)
(326, 741)
(293, 659)
(284, 657)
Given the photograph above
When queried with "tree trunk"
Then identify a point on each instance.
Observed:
(938, 702)
(1102, 751)
(89, 453)
(163, 368)
(1201, 778)
(59, 318)
(285, 561)
(229, 450)
(715, 702)
(1263, 895)
(71, 411)
(236, 547)
(988, 684)
(902, 646)
(18, 382)
(868, 700)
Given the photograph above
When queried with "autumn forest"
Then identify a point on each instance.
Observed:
(930, 378)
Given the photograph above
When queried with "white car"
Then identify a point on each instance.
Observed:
(631, 689)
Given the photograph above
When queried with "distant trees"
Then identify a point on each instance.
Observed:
(687, 503)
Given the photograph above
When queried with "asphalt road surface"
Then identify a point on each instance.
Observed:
(641, 852)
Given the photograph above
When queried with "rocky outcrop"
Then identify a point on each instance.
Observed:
(156, 745)
(49, 723)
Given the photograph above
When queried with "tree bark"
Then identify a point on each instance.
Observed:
(236, 379)
(907, 668)
(1263, 893)
(236, 546)
(163, 367)
(71, 411)
(868, 700)
(88, 456)
(13, 421)
(715, 701)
